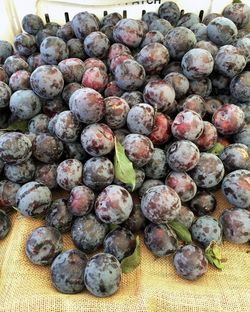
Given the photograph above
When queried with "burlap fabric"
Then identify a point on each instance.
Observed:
(152, 287)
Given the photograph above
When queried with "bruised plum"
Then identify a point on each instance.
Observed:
(98, 172)
(59, 216)
(203, 203)
(87, 105)
(8, 192)
(113, 205)
(206, 229)
(190, 262)
(209, 171)
(4, 224)
(183, 184)
(81, 200)
(235, 188)
(236, 225)
(187, 125)
(67, 271)
(88, 233)
(116, 112)
(140, 119)
(160, 204)
(102, 275)
(97, 139)
(47, 81)
(47, 148)
(15, 148)
(69, 174)
(183, 155)
(139, 149)
(159, 239)
(43, 245)
(120, 243)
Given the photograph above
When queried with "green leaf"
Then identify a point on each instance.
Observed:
(236, 1)
(131, 262)
(216, 149)
(213, 255)
(181, 231)
(124, 170)
(18, 125)
(113, 227)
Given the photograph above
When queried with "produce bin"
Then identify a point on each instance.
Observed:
(154, 285)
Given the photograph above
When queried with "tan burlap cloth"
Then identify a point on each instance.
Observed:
(152, 287)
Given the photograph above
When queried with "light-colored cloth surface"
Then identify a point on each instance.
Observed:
(152, 287)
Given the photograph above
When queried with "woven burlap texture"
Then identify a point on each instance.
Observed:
(153, 286)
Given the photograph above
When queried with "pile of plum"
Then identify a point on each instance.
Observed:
(174, 91)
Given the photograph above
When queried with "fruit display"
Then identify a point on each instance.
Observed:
(132, 124)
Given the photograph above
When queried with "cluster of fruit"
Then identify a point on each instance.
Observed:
(139, 120)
